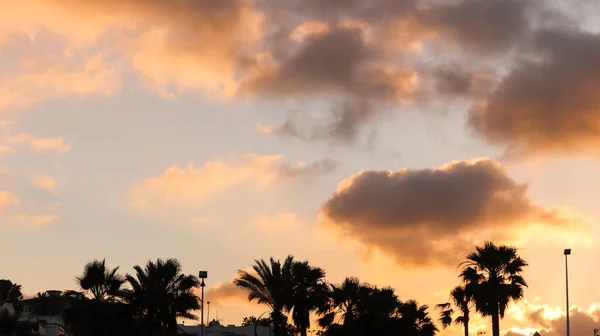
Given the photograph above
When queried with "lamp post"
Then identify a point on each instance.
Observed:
(202, 275)
(567, 252)
(208, 313)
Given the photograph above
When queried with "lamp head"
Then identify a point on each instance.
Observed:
(203, 274)
(567, 251)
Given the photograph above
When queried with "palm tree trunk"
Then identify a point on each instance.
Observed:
(496, 321)
(467, 327)
(305, 323)
(277, 318)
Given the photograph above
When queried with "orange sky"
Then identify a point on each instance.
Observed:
(375, 138)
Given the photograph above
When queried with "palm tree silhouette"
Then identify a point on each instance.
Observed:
(10, 292)
(161, 293)
(310, 291)
(99, 282)
(342, 306)
(414, 320)
(492, 276)
(97, 309)
(463, 304)
(270, 284)
(361, 309)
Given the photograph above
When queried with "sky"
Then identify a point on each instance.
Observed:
(382, 139)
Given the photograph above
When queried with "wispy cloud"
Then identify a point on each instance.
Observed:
(32, 222)
(40, 144)
(193, 185)
(282, 221)
(44, 182)
(8, 198)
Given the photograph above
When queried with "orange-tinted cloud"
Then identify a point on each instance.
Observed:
(8, 198)
(193, 185)
(550, 321)
(191, 44)
(4, 149)
(44, 77)
(31, 222)
(44, 182)
(547, 103)
(282, 221)
(337, 61)
(226, 292)
(434, 216)
(40, 144)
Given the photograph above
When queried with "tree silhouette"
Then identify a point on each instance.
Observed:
(10, 293)
(463, 304)
(160, 293)
(46, 304)
(309, 292)
(414, 320)
(253, 320)
(99, 282)
(492, 276)
(96, 310)
(271, 285)
(361, 309)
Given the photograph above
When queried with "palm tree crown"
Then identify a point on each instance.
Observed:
(463, 303)
(162, 293)
(492, 276)
(270, 284)
(309, 292)
(100, 282)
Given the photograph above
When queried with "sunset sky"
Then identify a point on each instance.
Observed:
(381, 139)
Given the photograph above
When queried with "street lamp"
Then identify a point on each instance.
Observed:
(567, 252)
(202, 275)
(208, 313)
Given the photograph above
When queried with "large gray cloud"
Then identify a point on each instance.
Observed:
(549, 103)
(340, 64)
(362, 64)
(433, 216)
(490, 26)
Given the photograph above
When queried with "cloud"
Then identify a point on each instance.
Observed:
(48, 77)
(31, 222)
(361, 58)
(426, 217)
(282, 221)
(551, 321)
(4, 149)
(452, 80)
(180, 43)
(371, 11)
(8, 198)
(40, 144)
(44, 182)
(548, 103)
(338, 62)
(225, 292)
(490, 26)
(193, 185)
